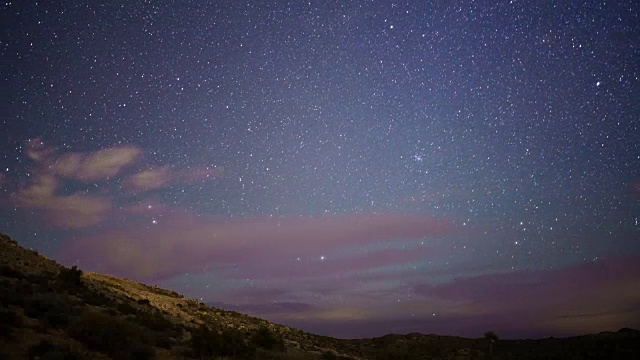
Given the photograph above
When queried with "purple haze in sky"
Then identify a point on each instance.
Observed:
(350, 168)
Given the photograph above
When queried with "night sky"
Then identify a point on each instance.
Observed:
(350, 168)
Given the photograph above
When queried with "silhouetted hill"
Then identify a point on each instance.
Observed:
(48, 311)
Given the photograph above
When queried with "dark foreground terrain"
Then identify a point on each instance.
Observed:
(48, 311)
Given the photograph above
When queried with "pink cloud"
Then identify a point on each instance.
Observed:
(99, 165)
(184, 243)
(585, 298)
(150, 179)
(344, 265)
(90, 166)
(160, 177)
(38, 151)
(51, 171)
(588, 297)
(72, 211)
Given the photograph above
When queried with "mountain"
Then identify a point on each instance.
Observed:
(48, 311)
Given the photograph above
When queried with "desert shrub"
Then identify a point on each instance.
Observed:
(264, 354)
(9, 239)
(491, 336)
(266, 339)
(205, 342)
(154, 320)
(328, 355)
(10, 295)
(24, 288)
(10, 272)
(236, 346)
(93, 297)
(126, 309)
(38, 280)
(163, 340)
(71, 278)
(111, 335)
(50, 309)
(45, 350)
(9, 320)
(210, 343)
(144, 301)
(161, 328)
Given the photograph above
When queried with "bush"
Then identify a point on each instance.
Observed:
(210, 343)
(51, 310)
(38, 280)
(126, 309)
(71, 277)
(112, 336)
(7, 238)
(236, 346)
(266, 339)
(10, 295)
(328, 355)
(205, 342)
(8, 322)
(45, 350)
(154, 321)
(10, 272)
(161, 328)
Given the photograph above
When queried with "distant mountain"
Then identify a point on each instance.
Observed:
(48, 311)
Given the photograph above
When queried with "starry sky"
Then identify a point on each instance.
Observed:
(350, 168)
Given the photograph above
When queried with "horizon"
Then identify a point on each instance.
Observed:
(346, 169)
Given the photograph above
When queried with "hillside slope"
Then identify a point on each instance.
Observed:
(48, 308)
(48, 311)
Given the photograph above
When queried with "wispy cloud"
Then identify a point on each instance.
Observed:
(562, 301)
(49, 189)
(99, 165)
(87, 166)
(149, 179)
(71, 211)
(160, 177)
(38, 151)
(183, 243)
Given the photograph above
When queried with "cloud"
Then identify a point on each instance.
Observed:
(52, 173)
(160, 177)
(584, 298)
(88, 166)
(602, 295)
(68, 165)
(149, 179)
(72, 211)
(181, 243)
(99, 165)
(38, 151)
(328, 265)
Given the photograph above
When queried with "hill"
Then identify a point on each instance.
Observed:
(48, 311)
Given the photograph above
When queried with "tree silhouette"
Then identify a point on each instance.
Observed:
(71, 278)
(491, 338)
